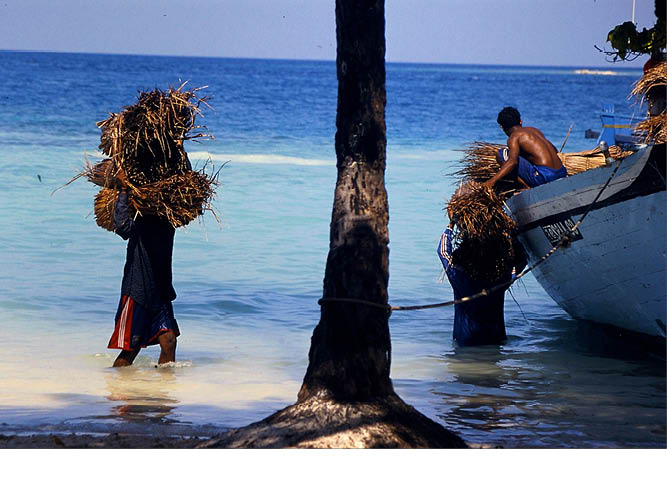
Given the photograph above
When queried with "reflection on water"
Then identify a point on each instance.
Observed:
(480, 397)
(142, 394)
(577, 387)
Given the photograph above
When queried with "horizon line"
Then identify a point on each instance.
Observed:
(611, 64)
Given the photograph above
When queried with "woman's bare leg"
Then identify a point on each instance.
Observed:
(125, 358)
(167, 347)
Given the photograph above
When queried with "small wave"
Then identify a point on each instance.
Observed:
(176, 365)
(266, 159)
(585, 71)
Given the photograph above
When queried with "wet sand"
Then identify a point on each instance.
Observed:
(109, 441)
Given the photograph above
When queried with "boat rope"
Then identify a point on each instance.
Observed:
(565, 239)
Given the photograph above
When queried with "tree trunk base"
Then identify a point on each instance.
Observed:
(325, 423)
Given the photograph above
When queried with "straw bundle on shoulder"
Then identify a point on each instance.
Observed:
(655, 77)
(105, 200)
(653, 129)
(483, 233)
(651, 88)
(145, 143)
(178, 199)
(478, 211)
(146, 139)
(103, 173)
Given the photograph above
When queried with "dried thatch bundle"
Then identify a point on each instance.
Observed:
(178, 198)
(577, 162)
(146, 139)
(478, 211)
(655, 77)
(105, 201)
(483, 233)
(479, 164)
(145, 142)
(102, 173)
(653, 129)
(651, 88)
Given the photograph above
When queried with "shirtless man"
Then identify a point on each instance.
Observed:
(530, 158)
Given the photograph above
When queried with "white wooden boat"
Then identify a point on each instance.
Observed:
(614, 269)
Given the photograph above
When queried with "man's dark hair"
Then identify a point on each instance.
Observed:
(509, 117)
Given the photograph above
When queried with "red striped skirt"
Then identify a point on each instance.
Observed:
(137, 328)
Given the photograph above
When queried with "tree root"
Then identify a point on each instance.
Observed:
(325, 423)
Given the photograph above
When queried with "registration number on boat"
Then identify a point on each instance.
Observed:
(555, 231)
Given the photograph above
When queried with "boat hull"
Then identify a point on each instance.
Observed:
(613, 271)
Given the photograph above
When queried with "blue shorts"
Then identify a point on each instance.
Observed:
(137, 328)
(533, 175)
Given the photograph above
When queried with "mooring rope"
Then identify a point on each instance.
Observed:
(564, 239)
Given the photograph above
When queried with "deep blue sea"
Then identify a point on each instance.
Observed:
(248, 287)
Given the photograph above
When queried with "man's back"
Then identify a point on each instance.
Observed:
(534, 147)
(530, 158)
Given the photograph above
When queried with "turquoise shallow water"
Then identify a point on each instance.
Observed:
(248, 288)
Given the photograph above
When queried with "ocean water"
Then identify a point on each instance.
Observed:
(248, 287)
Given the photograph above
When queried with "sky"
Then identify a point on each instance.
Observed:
(507, 32)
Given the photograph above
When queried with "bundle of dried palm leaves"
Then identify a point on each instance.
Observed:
(177, 198)
(146, 139)
(145, 142)
(478, 211)
(105, 200)
(102, 173)
(655, 77)
(653, 129)
(482, 234)
(480, 164)
(651, 88)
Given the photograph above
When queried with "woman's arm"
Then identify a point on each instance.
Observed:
(445, 249)
(122, 218)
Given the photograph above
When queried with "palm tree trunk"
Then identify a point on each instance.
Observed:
(347, 399)
(350, 350)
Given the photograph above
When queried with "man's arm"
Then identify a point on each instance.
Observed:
(445, 249)
(511, 163)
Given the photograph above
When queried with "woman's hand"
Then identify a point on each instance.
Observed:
(122, 179)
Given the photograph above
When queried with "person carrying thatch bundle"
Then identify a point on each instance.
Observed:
(479, 252)
(148, 190)
(651, 88)
(530, 157)
(145, 315)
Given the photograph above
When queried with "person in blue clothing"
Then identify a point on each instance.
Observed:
(472, 267)
(529, 158)
(145, 315)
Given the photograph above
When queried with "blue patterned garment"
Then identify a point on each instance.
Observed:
(480, 321)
